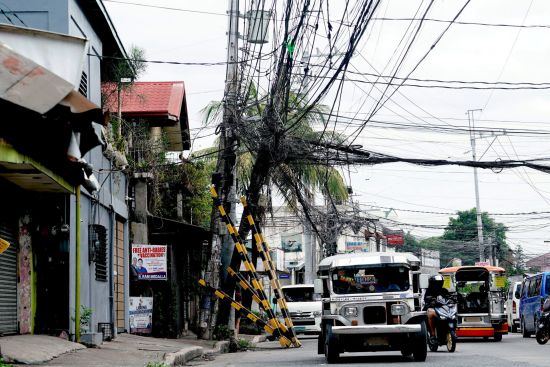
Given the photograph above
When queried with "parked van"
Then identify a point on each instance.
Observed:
(304, 307)
(534, 290)
(512, 306)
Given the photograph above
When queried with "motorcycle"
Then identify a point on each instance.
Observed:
(446, 322)
(543, 330)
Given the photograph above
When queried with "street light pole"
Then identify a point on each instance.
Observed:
(478, 209)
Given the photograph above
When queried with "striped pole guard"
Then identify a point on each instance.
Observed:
(244, 284)
(256, 284)
(245, 312)
(263, 250)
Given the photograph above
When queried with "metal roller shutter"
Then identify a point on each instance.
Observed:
(8, 282)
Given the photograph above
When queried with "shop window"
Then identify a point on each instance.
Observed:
(98, 250)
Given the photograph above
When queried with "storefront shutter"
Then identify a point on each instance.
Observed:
(8, 281)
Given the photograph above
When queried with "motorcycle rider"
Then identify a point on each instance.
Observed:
(435, 289)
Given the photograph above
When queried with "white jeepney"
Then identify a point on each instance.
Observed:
(371, 302)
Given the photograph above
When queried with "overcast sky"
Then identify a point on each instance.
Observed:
(471, 53)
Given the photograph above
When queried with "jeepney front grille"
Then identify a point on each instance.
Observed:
(374, 315)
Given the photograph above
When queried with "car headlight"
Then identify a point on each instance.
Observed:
(316, 313)
(350, 311)
(398, 309)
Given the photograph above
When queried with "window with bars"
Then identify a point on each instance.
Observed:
(83, 87)
(98, 250)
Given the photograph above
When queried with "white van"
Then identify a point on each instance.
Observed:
(512, 307)
(304, 307)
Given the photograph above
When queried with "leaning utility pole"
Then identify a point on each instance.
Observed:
(478, 209)
(224, 176)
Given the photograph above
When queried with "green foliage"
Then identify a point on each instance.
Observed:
(132, 68)
(222, 332)
(239, 345)
(464, 228)
(518, 265)
(4, 364)
(197, 207)
(244, 344)
(297, 125)
(154, 364)
(85, 318)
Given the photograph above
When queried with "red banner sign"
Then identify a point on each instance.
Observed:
(394, 239)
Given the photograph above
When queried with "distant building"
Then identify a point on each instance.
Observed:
(540, 263)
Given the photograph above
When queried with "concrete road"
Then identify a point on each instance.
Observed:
(512, 351)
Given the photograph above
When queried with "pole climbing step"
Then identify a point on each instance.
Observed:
(255, 282)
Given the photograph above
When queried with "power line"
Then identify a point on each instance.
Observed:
(503, 25)
(381, 103)
(166, 8)
(184, 63)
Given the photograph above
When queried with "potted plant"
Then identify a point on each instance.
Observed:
(87, 336)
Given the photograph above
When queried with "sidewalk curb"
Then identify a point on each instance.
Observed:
(259, 339)
(182, 356)
(221, 347)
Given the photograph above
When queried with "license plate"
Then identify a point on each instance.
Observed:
(472, 319)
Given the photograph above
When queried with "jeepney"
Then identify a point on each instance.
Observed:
(371, 302)
(481, 295)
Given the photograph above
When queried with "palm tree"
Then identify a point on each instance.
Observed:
(265, 159)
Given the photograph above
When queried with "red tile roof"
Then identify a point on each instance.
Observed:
(160, 103)
(149, 99)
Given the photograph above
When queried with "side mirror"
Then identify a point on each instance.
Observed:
(318, 286)
(424, 281)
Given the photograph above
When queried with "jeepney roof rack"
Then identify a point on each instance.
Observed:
(370, 258)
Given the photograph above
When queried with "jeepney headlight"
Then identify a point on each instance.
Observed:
(316, 313)
(350, 311)
(398, 309)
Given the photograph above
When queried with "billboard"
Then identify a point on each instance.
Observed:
(292, 242)
(149, 261)
(357, 246)
(141, 315)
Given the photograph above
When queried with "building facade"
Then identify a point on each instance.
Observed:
(70, 245)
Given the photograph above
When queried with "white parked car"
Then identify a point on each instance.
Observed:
(304, 307)
(512, 307)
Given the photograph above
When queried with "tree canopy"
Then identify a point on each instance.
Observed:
(463, 228)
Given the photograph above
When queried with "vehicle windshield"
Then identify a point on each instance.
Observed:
(300, 294)
(371, 279)
(472, 296)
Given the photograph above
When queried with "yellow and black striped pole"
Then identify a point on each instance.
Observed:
(245, 312)
(263, 250)
(244, 284)
(256, 284)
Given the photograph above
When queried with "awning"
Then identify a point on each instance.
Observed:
(44, 120)
(28, 174)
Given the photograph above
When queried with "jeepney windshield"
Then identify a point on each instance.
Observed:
(370, 279)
